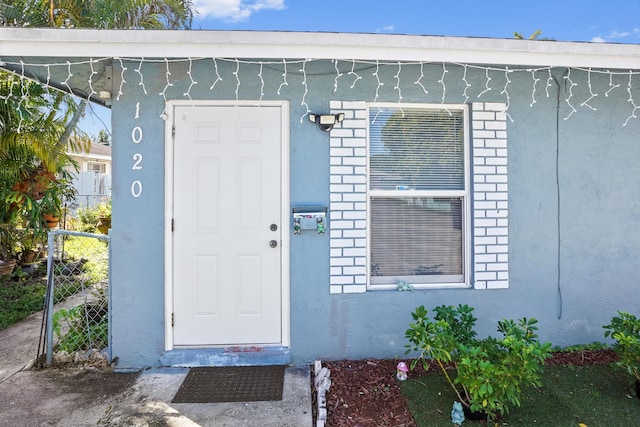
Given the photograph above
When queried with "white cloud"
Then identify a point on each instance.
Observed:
(616, 35)
(235, 10)
(386, 29)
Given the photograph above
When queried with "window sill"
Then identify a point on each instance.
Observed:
(420, 287)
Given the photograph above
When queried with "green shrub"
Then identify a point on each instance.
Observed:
(81, 328)
(87, 257)
(625, 330)
(88, 219)
(490, 373)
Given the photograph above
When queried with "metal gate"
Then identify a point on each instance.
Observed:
(76, 318)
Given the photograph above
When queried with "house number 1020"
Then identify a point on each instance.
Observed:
(136, 138)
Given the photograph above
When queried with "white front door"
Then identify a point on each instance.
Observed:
(227, 225)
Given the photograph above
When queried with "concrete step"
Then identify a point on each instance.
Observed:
(227, 356)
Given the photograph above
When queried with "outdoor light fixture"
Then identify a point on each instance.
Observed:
(326, 121)
(105, 96)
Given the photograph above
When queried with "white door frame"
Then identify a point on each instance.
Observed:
(168, 214)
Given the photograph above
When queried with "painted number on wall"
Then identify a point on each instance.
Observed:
(136, 188)
(136, 135)
(136, 138)
(137, 162)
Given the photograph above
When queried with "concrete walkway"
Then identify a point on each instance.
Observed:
(91, 397)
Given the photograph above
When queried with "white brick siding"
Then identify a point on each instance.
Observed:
(489, 210)
(348, 177)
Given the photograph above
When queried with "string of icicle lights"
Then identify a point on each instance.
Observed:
(350, 79)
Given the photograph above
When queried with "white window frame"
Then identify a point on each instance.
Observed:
(465, 194)
(101, 165)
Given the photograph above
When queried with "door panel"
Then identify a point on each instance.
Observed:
(227, 183)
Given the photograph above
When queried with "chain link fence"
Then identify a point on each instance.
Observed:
(77, 312)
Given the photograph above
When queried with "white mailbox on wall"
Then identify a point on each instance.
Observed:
(309, 218)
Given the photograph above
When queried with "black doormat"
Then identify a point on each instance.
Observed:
(231, 384)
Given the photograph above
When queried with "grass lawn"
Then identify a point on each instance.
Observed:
(594, 395)
(20, 296)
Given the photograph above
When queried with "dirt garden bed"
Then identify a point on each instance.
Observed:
(365, 393)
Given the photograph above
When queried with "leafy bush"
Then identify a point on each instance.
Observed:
(82, 327)
(625, 330)
(89, 219)
(490, 372)
(86, 256)
(35, 196)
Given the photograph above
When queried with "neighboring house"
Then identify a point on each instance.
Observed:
(93, 179)
(502, 174)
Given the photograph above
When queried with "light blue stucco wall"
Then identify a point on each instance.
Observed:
(574, 232)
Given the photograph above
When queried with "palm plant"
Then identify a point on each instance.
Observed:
(32, 123)
(32, 153)
(103, 14)
(140, 14)
(22, 13)
(37, 126)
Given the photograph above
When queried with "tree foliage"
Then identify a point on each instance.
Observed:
(38, 124)
(101, 14)
(533, 36)
(32, 122)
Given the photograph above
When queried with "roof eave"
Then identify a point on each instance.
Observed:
(29, 42)
(89, 156)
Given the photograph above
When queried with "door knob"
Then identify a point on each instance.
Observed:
(273, 227)
(273, 243)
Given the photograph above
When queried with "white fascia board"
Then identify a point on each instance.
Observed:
(90, 157)
(96, 157)
(47, 42)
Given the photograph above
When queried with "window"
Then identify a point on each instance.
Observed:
(96, 167)
(418, 191)
(376, 188)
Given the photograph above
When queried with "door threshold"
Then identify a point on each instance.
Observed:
(226, 356)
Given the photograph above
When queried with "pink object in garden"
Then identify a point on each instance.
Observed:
(402, 370)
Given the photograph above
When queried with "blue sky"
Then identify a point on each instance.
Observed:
(606, 21)
(615, 21)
